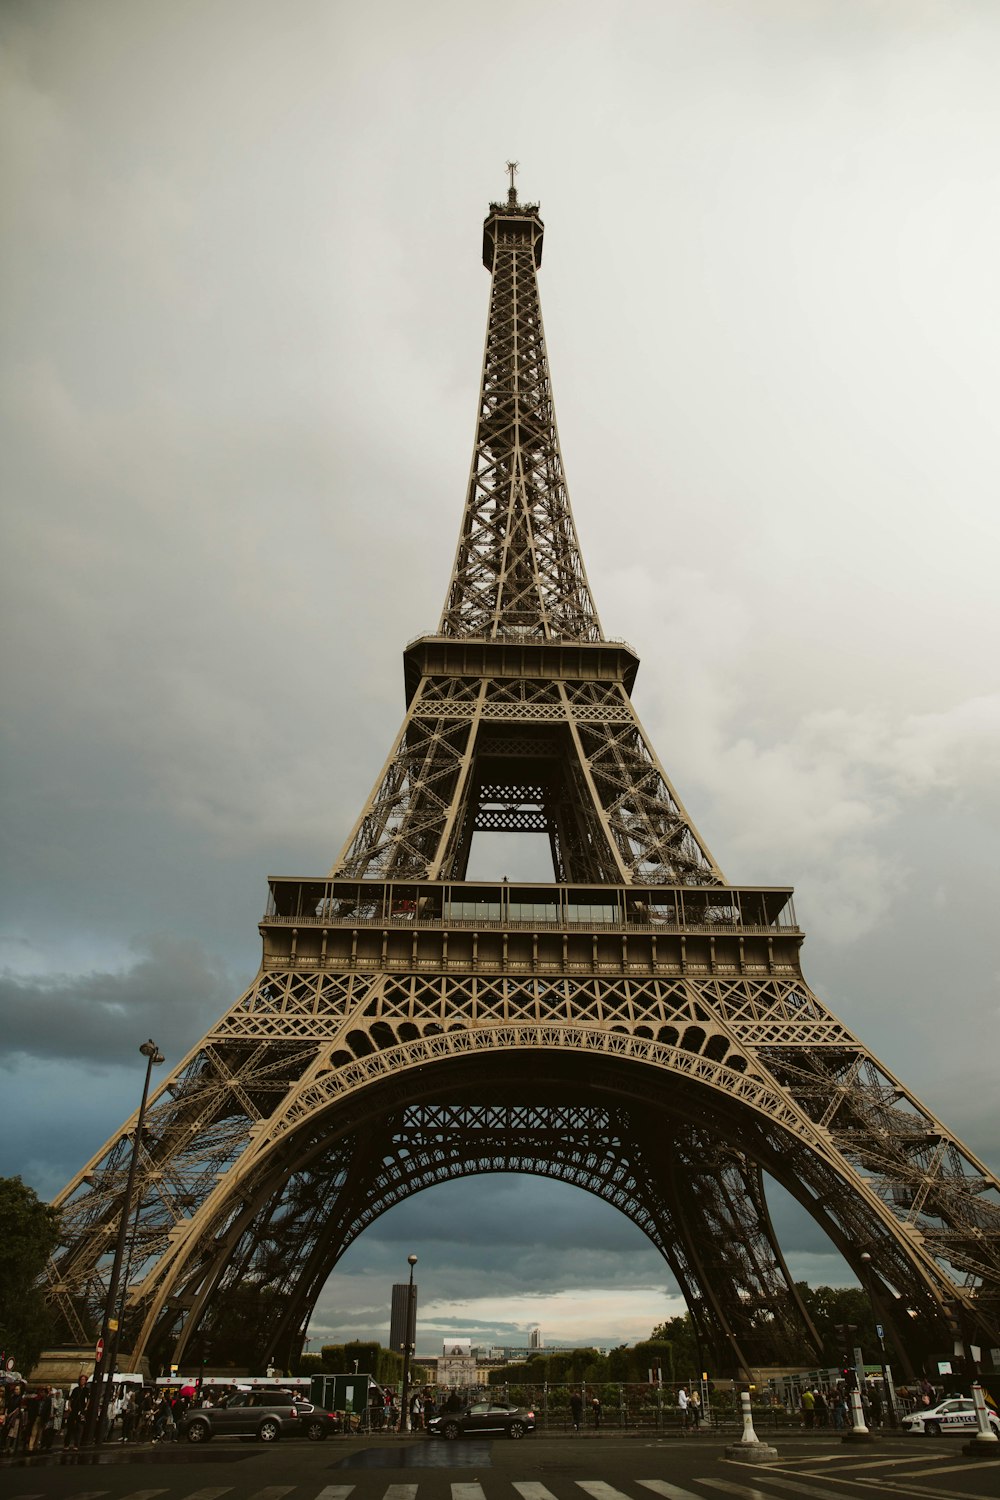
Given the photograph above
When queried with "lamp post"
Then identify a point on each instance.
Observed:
(409, 1344)
(104, 1364)
(890, 1394)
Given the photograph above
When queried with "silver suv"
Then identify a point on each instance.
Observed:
(267, 1415)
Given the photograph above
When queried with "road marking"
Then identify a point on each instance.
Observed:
(740, 1490)
(209, 1494)
(335, 1492)
(781, 1484)
(981, 1464)
(467, 1492)
(143, 1494)
(528, 1491)
(600, 1490)
(672, 1491)
(401, 1492)
(906, 1487)
(272, 1492)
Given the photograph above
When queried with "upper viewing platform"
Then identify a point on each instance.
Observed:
(512, 223)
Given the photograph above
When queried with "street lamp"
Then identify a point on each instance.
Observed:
(104, 1365)
(868, 1278)
(410, 1344)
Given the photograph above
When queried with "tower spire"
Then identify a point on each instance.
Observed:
(518, 571)
(512, 167)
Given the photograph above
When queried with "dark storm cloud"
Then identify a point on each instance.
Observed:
(172, 992)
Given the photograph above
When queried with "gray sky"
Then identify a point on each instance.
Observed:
(243, 312)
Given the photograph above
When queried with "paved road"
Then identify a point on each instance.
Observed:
(539, 1468)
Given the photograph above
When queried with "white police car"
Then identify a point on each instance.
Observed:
(957, 1414)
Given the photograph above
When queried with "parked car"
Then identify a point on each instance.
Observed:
(267, 1415)
(957, 1414)
(485, 1418)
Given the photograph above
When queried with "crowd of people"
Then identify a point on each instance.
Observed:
(830, 1405)
(43, 1418)
(36, 1419)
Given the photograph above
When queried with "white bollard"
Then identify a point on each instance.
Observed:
(859, 1432)
(749, 1436)
(858, 1413)
(985, 1440)
(750, 1449)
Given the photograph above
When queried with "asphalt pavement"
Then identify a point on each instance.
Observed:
(608, 1465)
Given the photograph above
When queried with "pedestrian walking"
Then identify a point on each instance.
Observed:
(576, 1409)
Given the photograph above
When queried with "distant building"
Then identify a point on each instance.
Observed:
(457, 1364)
(398, 1332)
(535, 1340)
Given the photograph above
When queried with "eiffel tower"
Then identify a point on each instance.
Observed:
(636, 1025)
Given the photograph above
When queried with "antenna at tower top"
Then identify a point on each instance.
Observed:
(512, 167)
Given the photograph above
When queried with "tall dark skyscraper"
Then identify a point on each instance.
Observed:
(398, 1335)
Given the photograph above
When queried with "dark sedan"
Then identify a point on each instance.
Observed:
(267, 1415)
(484, 1419)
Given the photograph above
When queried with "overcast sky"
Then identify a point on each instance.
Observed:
(243, 313)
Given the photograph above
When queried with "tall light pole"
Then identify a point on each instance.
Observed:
(409, 1344)
(887, 1385)
(107, 1346)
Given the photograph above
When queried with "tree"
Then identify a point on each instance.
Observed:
(30, 1234)
(682, 1360)
(847, 1307)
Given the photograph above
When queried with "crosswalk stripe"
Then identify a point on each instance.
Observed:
(664, 1487)
(531, 1491)
(335, 1492)
(401, 1492)
(601, 1491)
(272, 1492)
(212, 1493)
(467, 1492)
(143, 1494)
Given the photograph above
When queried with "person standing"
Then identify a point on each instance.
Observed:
(13, 1417)
(694, 1412)
(76, 1410)
(596, 1407)
(576, 1409)
(808, 1408)
(58, 1414)
(683, 1402)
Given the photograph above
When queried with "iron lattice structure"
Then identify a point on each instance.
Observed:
(636, 1026)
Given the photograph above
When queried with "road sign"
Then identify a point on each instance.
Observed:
(99, 1351)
